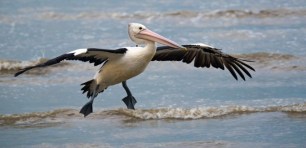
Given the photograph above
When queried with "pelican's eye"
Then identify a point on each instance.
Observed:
(140, 28)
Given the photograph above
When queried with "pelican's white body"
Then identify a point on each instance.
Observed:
(120, 69)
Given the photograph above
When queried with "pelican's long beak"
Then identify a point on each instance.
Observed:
(152, 36)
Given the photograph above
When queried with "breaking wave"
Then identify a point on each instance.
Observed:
(64, 115)
(12, 66)
(182, 14)
(206, 112)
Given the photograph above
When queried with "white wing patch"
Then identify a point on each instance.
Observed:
(202, 44)
(78, 51)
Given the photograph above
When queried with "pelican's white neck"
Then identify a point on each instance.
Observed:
(150, 45)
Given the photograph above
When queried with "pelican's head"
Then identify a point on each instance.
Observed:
(140, 34)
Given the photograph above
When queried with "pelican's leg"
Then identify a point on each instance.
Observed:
(129, 100)
(87, 108)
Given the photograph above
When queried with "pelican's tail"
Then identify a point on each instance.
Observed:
(92, 88)
(86, 88)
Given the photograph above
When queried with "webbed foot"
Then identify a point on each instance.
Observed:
(129, 101)
(86, 109)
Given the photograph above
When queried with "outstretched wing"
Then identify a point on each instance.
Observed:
(204, 56)
(91, 55)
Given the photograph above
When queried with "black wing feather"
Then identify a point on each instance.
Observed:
(49, 62)
(243, 69)
(91, 56)
(205, 56)
(199, 59)
(230, 69)
(207, 60)
(237, 70)
(189, 57)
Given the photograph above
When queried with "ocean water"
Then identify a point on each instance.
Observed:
(178, 105)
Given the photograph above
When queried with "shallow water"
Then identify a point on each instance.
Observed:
(178, 105)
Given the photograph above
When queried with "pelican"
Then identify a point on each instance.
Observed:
(120, 65)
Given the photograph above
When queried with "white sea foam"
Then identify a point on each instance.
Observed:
(207, 112)
(59, 116)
